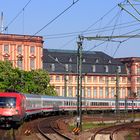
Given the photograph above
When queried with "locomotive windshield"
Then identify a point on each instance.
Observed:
(7, 102)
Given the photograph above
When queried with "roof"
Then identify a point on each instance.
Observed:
(60, 58)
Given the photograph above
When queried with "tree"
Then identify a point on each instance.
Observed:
(35, 81)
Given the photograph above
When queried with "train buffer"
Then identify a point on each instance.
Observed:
(76, 130)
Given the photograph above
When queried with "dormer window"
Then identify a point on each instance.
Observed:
(56, 59)
(70, 60)
(84, 60)
(97, 60)
(109, 61)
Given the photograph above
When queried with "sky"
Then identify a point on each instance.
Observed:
(60, 29)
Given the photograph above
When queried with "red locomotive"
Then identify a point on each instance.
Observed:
(12, 108)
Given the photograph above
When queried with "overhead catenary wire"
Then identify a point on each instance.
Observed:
(22, 10)
(103, 29)
(94, 23)
(118, 16)
(74, 2)
(120, 5)
(120, 41)
(133, 7)
(117, 49)
(55, 18)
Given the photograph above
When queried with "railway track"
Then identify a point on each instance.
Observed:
(109, 132)
(50, 130)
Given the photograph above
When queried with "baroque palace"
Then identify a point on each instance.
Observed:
(98, 69)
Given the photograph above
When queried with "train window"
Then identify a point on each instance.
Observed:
(113, 104)
(7, 102)
(66, 103)
(95, 103)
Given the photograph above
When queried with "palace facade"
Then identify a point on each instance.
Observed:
(98, 74)
(24, 51)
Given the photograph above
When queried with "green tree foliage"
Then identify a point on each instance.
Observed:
(35, 81)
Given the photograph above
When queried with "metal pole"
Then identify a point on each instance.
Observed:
(117, 93)
(78, 86)
(125, 105)
(107, 87)
(80, 69)
(65, 85)
(132, 110)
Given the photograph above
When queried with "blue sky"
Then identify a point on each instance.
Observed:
(64, 31)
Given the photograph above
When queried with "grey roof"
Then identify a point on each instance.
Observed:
(99, 59)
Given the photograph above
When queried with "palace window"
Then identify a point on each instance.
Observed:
(70, 78)
(19, 64)
(88, 79)
(32, 49)
(63, 91)
(32, 63)
(94, 79)
(94, 91)
(123, 92)
(57, 78)
(101, 91)
(113, 92)
(83, 92)
(138, 70)
(138, 92)
(138, 79)
(123, 80)
(57, 90)
(6, 48)
(51, 78)
(19, 49)
(113, 79)
(101, 79)
(88, 92)
(106, 91)
(70, 91)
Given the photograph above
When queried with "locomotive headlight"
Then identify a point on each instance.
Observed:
(17, 111)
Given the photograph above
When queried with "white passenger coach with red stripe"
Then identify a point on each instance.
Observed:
(15, 107)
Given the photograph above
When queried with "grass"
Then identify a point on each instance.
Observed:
(90, 125)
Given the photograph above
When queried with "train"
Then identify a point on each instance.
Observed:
(16, 107)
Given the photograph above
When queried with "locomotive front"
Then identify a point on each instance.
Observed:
(11, 109)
